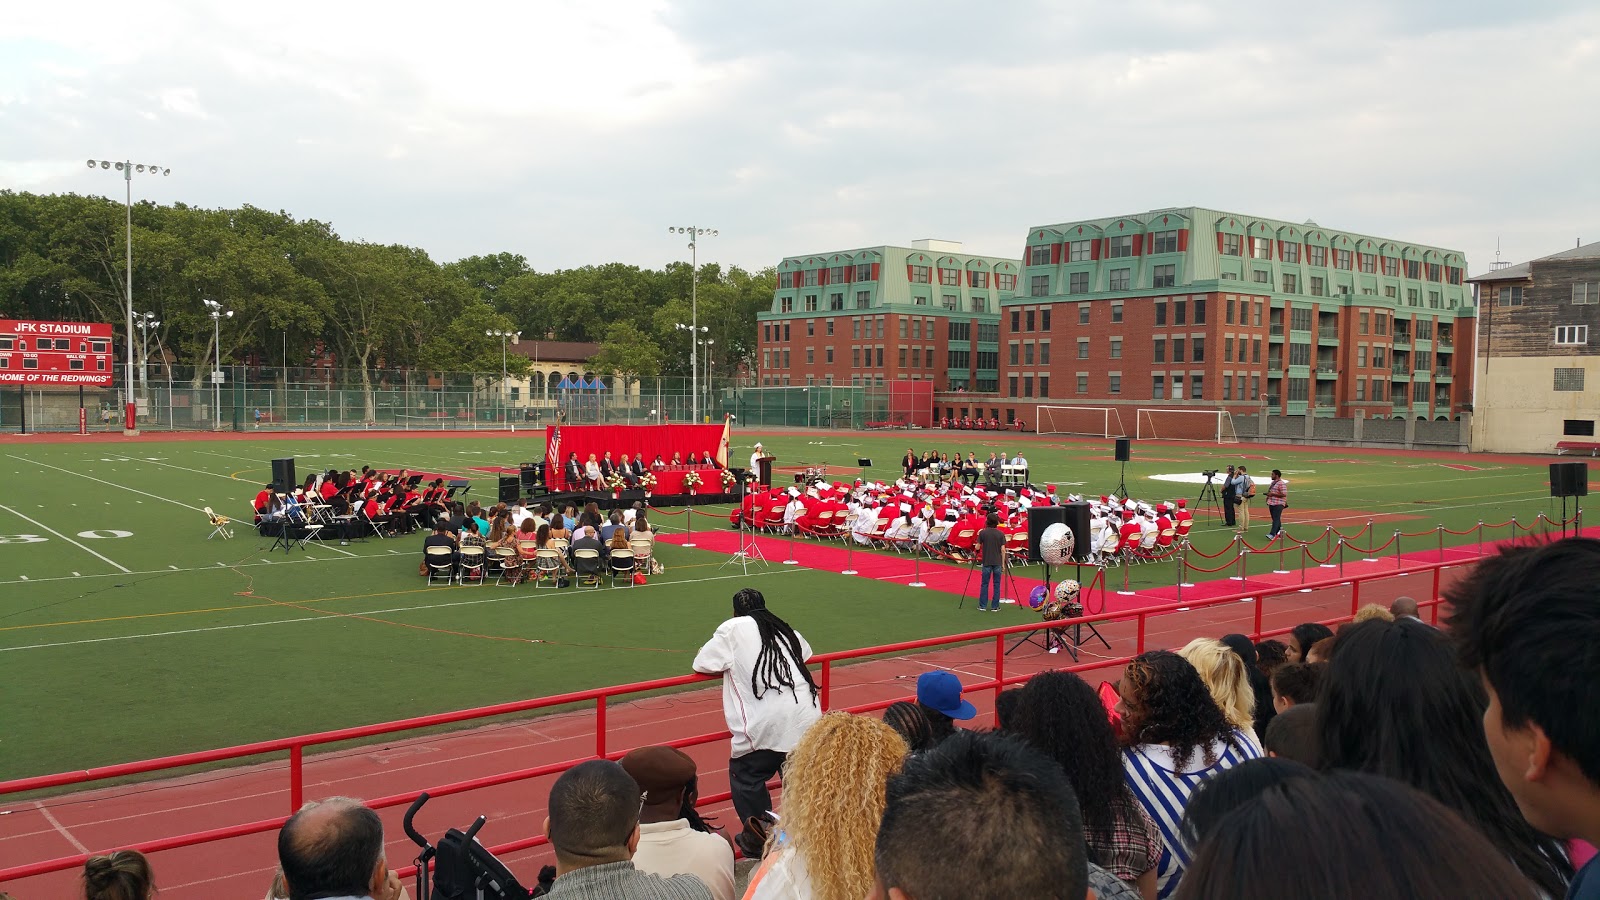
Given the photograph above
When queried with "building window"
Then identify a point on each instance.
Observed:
(830, 327)
(1572, 335)
(1289, 254)
(786, 304)
(1318, 286)
(1577, 427)
(1166, 242)
(1114, 385)
(950, 277)
(989, 334)
(1083, 382)
(863, 299)
(1166, 276)
(1391, 268)
(1361, 389)
(855, 357)
(1180, 312)
(1158, 387)
(1318, 255)
(1011, 385)
(1120, 278)
(1027, 385)
(1261, 276)
(1369, 263)
(1512, 296)
(1389, 291)
(1177, 349)
(810, 278)
(1039, 256)
(1341, 259)
(988, 360)
(1161, 312)
(1044, 319)
(1016, 320)
(1197, 390)
(1118, 247)
(1083, 348)
(1260, 248)
(951, 301)
(1232, 245)
(880, 363)
(1227, 350)
(811, 328)
(1029, 315)
(1080, 251)
(1005, 282)
(863, 272)
(1586, 294)
(916, 357)
(1433, 300)
(920, 274)
(836, 301)
(905, 325)
(1227, 386)
(1197, 346)
(1078, 283)
(1160, 354)
(980, 304)
(1291, 284)
(1361, 356)
(978, 279)
(1229, 306)
(1116, 346)
(830, 354)
(786, 332)
(1255, 350)
(811, 303)
(1083, 313)
(811, 356)
(1363, 320)
(1015, 349)
(1177, 386)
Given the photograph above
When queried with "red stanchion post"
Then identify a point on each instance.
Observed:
(1479, 529)
(1305, 561)
(917, 572)
(791, 561)
(688, 521)
(849, 554)
(1180, 577)
(1440, 529)
(1397, 548)
(1244, 554)
(1183, 566)
(1341, 557)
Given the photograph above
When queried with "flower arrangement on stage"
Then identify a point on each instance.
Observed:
(729, 480)
(616, 482)
(691, 480)
(647, 481)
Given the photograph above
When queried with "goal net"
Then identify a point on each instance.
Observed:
(1089, 421)
(1185, 425)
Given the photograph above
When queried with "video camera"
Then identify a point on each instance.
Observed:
(463, 869)
(1209, 473)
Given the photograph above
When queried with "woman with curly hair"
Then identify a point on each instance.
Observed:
(1058, 713)
(834, 791)
(1174, 737)
(1227, 679)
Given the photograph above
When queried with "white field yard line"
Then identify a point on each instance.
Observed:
(38, 524)
(331, 615)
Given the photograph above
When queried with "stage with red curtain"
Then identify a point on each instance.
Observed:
(649, 441)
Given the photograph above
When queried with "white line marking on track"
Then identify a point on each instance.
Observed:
(38, 524)
(60, 829)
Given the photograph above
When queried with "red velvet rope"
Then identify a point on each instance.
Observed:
(1375, 550)
(1332, 551)
(1226, 566)
(1203, 555)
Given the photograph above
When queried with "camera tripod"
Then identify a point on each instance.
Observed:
(749, 551)
(1208, 500)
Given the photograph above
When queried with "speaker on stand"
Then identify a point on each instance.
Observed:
(1570, 479)
(283, 475)
(1124, 453)
(1040, 518)
(510, 488)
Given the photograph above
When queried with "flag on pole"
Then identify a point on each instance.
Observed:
(552, 456)
(722, 445)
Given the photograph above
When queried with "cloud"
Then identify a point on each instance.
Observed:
(574, 133)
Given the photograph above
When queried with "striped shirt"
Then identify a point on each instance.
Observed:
(1164, 791)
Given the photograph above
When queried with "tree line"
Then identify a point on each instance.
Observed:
(296, 286)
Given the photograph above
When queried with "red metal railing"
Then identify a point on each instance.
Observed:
(601, 697)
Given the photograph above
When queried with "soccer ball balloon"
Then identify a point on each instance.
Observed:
(1056, 544)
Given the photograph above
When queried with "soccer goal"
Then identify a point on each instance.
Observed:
(1185, 425)
(1089, 421)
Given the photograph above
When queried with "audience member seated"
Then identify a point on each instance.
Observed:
(1224, 675)
(673, 838)
(1299, 641)
(1294, 684)
(1347, 835)
(833, 795)
(1260, 684)
(588, 570)
(1393, 702)
(1062, 716)
(1292, 734)
(1372, 611)
(1527, 622)
(1270, 655)
(334, 848)
(614, 524)
(1321, 651)
(1174, 737)
(939, 698)
(119, 875)
(442, 537)
(593, 825)
(1240, 786)
(983, 815)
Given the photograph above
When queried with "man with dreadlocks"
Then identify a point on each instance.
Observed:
(769, 699)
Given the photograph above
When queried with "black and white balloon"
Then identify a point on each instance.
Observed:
(1056, 544)
(1067, 591)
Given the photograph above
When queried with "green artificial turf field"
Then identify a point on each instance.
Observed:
(126, 634)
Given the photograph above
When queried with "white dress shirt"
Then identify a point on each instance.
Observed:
(773, 721)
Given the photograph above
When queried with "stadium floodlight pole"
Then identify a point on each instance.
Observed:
(147, 323)
(694, 233)
(217, 313)
(130, 424)
(694, 378)
(707, 344)
(503, 336)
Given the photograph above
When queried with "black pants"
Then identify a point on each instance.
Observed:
(1227, 508)
(747, 780)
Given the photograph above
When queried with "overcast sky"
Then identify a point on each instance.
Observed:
(575, 133)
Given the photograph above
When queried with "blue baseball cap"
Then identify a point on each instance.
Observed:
(942, 691)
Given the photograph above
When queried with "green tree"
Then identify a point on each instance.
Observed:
(628, 352)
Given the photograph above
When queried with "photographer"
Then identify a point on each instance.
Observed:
(1227, 498)
(1244, 490)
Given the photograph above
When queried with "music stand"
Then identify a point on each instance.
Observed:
(748, 548)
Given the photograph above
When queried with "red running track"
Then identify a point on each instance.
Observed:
(110, 817)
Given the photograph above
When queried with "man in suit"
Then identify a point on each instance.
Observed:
(1227, 498)
(992, 471)
(607, 467)
(574, 471)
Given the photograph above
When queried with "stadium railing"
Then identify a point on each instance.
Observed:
(603, 697)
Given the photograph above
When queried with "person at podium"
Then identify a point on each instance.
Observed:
(755, 458)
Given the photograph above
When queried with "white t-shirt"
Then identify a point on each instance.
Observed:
(775, 720)
(673, 848)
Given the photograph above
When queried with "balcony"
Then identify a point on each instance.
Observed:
(1442, 377)
(1274, 401)
(1275, 331)
(1327, 335)
(1327, 371)
(1400, 373)
(1402, 338)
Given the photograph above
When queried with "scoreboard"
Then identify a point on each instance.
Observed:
(38, 353)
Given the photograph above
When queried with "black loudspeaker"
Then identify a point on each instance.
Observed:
(1078, 520)
(1040, 518)
(1569, 479)
(530, 475)
(1124, 449)
(510, 488)
(283, 474)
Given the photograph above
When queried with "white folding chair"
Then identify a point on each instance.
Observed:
(621, 565)
(643, 552)
(219, 525)
(508, 563)
(587, 564)
(440, 564)
(471, 563)
(547, 567)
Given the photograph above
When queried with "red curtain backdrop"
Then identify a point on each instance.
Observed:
(633, 440)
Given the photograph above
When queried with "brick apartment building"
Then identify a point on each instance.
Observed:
(1176, 308)
(1540, 342)
(880, 314)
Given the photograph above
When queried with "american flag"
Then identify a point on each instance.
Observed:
(552, 455)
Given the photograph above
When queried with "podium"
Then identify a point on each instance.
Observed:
(764, 470)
